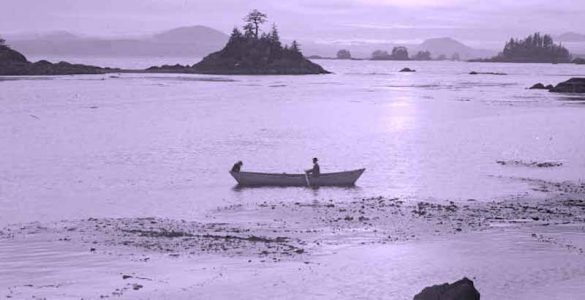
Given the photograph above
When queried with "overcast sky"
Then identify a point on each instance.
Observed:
(473, 21)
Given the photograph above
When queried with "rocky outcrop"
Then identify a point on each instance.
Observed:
(459, 290)
(540, 86)
(573, 85)
(171, 69)
(407, 70)
(486, 73)
(14, 63)
(256, 59)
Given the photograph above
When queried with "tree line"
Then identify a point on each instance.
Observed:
(398, 53)
(534, 48)
(267, 43)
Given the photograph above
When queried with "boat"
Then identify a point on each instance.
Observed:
(345, 178)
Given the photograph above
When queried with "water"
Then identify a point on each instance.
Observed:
(161, 145)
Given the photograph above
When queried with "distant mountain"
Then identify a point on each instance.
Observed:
(570, 37)
(437, 46)
(185, 35)
(448, 46)
(196, 41)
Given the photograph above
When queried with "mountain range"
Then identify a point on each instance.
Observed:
(570, 37)
(194, 41)
(198, 41)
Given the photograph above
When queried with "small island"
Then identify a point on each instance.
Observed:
(251, 53)
(535, 48)
(13, 62)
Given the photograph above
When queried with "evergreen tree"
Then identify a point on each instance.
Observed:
(534, 48)
(380, 55)
(235, 36)
(275, 37)
(343, 54)
(294, 47)
(249, 31)
(400, 53)
(254, 19)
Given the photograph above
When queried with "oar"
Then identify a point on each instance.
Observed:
(307, 179)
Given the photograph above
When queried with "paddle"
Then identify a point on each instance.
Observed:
(307, 179)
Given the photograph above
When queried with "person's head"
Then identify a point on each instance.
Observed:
(240, 163)
(315, 160)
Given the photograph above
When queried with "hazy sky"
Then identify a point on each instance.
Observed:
(471, 21)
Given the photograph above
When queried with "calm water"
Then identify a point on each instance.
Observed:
(161, 145)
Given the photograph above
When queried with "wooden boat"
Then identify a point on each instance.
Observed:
(345, 178)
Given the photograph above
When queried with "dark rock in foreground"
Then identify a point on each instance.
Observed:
(573, 85)
(459, 290)
(14, 63)
(407, 70)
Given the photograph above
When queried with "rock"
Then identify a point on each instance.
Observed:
(407, 70)
(538, 86)
(573, 85)
(486, 73)
(459, 290)
(579, 61)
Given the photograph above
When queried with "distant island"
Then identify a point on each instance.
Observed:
(251, 53)
(535, 48)
(401, 53)
(13, 62)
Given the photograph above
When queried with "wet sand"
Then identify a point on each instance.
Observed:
(376, 247)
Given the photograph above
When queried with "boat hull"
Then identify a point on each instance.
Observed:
(346, 178)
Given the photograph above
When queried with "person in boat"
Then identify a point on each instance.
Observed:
(237, 166)
(316, 170)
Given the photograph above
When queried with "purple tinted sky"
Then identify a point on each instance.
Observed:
(321, 20)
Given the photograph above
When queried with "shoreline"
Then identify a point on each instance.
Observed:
(291, 236)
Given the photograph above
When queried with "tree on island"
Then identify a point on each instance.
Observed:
(274, 37)
(380, 55)
(295, 47)
(534, 48)
(254, 19)
(422, 55)
(399, 53)
(3, 42)
(343, 54)
(257, 52)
